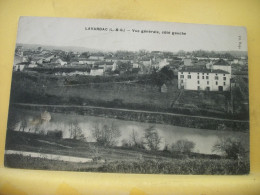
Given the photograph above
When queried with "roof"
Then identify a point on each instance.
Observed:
(203, 70)
(97, 55)
(103, 63)
(221, 62)
(97, 68)
(23, 63)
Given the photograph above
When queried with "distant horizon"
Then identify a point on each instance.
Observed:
(103, 34)
(102, 50)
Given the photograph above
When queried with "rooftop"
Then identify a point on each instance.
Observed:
(203, 70)
(221, 62)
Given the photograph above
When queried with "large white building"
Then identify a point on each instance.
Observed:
(204, 79)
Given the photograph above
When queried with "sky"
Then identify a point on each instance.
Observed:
(72, 32)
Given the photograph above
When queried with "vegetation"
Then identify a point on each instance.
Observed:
(152, 139)
(181, 166)
(231, 148)
(106, 135)
(108, 158)
(76, 132)
(183, 145)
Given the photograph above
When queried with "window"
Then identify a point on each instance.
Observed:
(189, 76)
(207, 77)
(181, 72)
(202, 77)
(224, 78)
(189, 72)
(207, 73)
(198, 77)
(203, 73)
(198, 87)
(216, 82)
(216, 77)
(182, 76)
(198, 82)
(224, 83)
(181, 81)
(207, 82)
(224, 75)
(216, 74)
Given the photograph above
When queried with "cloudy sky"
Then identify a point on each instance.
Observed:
(72, 32)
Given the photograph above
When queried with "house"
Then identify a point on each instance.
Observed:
(146, 61)
(111, 59)
(19, 59)
(97, 71)
(18, 67)
(32, 65)
(91, 61)
(96, 57)
(106, 65)
(204, 79)
(48, 57)
(83, 60)
(187, 62)
(163, 63)
(61, 62)
(201, 63)
(221, 65)
(164, 88)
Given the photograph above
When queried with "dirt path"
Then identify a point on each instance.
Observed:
(49, 156)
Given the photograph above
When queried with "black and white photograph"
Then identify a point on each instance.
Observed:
(124, 96)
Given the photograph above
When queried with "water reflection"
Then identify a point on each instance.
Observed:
(203, 139)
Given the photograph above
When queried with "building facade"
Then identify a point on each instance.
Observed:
(204, 79)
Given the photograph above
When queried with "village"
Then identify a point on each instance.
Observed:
(120, 62)
(196, 83)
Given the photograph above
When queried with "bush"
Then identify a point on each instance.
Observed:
(106, 135)
(230, 147)
(57, 134)
(183, 146)
(76, 132)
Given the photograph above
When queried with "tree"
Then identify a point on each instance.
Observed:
(230, 147)
(152, 138)
(76, 132)
(183, 145)
(106, 135)
(124, 66)
(13, 120)
(167, 72)
(136, 141)
(23, 124)
(85, 54)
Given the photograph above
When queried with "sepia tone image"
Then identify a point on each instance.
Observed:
(121, 96)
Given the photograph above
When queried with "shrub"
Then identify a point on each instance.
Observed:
(152, 138)
(106, 135)
(230, 147)
(183, 146)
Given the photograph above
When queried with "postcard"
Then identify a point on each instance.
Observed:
(121, 96)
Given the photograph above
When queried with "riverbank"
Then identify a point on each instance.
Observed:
(199, 122)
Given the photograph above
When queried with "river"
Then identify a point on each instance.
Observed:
(203, 139)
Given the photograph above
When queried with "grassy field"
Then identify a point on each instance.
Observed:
(121, 92)
(115, 159)
(39, 88)
(175, 166)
